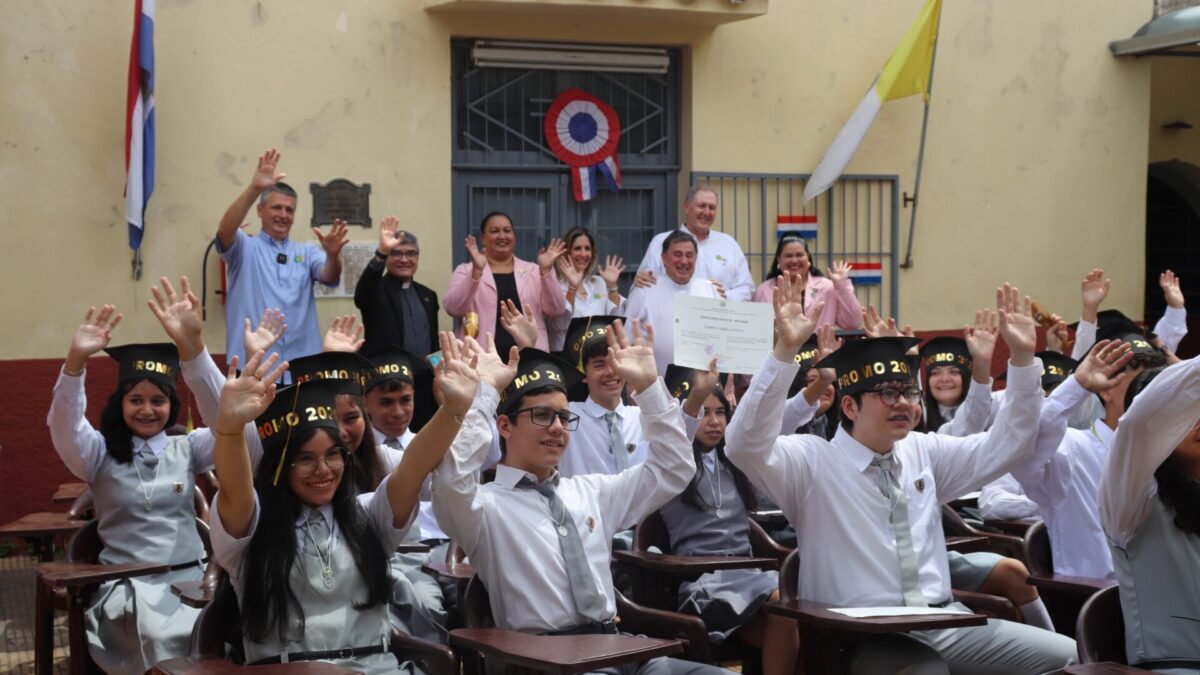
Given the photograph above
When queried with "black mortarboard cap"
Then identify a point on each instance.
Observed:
(1055, 368)
(679, 380)
(947, 350)
(807, 356)
(391, 363)
(158, 361)
(864, 364)
(582, 333)
(296, 408)
(537, 370)
(346, 370)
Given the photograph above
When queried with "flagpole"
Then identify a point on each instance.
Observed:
(912, 221)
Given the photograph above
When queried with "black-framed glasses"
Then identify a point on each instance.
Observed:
(397, 253)
(544, 417)
(890, 396)
(306, 465)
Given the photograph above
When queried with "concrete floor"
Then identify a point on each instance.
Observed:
(17, 578)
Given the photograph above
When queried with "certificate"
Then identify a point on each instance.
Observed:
(737, 333)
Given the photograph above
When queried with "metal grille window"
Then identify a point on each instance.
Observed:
(501, 162)
(856, 220)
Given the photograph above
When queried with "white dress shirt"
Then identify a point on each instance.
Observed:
(509, 535)
(1003, 499)
(1065, 482)
(587, 450)
(719, 256)
(797, 412)
(1172, 327)
(656, 305)
(830, 493)
(593, 303)
(391, 459)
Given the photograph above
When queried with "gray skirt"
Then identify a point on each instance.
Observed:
(727, 599)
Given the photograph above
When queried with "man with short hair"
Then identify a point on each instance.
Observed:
(270, 270)
(655, 305)
(719, 257)
(883, 486)
(395, 308)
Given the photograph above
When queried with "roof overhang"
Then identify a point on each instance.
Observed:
(1173, 34)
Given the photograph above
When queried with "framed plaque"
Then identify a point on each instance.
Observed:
(340, 198)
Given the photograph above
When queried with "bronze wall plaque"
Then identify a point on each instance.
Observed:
(340, 198)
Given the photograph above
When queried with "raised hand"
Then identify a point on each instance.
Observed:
(454, 378)
(244, 397)
(611, 272)
(839, 271)
(91, 336)
(335, 240)
(981, 338)
(705, 381)
(875, 325)
(1017, 326)
(270, 328)
(1057, 335)
(179, 316)
(631, 355)
(644, 279)
(1092, 292)
(1172, 293)
(792, 326)
(1100, 369)
(478, 257)
(574, 277)
(522, 326)
(342, 336)
(827, 343)
(264, 174)
(490, 366)
(553, 251)
(719, 286)
(389, 235)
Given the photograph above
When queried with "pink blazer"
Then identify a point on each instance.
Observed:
(841, 305)
(540, 292)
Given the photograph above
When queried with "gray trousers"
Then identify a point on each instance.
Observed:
(998, 648)
(665, 666)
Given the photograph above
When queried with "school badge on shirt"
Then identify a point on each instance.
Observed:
(179, 488)
(920, 485)
(299, 257)
(591, 523)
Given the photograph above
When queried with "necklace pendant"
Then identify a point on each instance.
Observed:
(147, 503)
(720, 513)
(327, 575)
(562, 530)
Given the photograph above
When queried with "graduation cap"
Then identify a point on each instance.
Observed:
(582, 334)
(391, 363)
(947, 350)
(537, 370)
(158, 362)
(345, 369)
(679, 380)
(807, 356)
(1055, 368)
(865, 364)
(296, 408)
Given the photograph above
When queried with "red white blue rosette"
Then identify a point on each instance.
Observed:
(583, 132)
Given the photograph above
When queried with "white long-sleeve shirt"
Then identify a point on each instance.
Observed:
(656, 305)
(509, 535)
(719, 256)
(830, 493)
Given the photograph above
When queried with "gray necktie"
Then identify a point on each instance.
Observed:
(393, 442)
(588, 601)
(910, 581)
(149, 459)
(616, 441)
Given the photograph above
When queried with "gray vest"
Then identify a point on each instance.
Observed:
(1159, 573)
(707, 533)
(166, 532)
(330, 619)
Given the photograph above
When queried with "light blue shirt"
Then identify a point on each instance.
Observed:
(258, 281)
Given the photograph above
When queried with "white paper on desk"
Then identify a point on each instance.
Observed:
(874, 612)
(737, 333)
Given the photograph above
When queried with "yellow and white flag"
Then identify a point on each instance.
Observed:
(906, 73)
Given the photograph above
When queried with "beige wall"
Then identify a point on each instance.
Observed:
(1037, 134)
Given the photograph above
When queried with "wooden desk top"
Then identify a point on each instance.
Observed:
(211, 666)
(967, 544)
(1106, 668)
(774, 518)
(693, 563)
(412, 548)
(1013, 527)
(562, 654)
(456, 572)
(68, 492)
(819, 614)
(74, 575)
(193, 593)
(42, 524)
(1061, 582)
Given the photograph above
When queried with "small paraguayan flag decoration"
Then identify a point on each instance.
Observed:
(583, 132)
(796, 226)
(866, 273)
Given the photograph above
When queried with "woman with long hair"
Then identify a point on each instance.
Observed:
(590, 290)
(835, 290)
(1149, 498)
(143, 482)
(317, 549)
(495, 274)
(711, 517)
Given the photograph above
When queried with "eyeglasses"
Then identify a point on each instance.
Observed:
(544, 417)
(404, 254)
(890, 396)
(306, 465)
